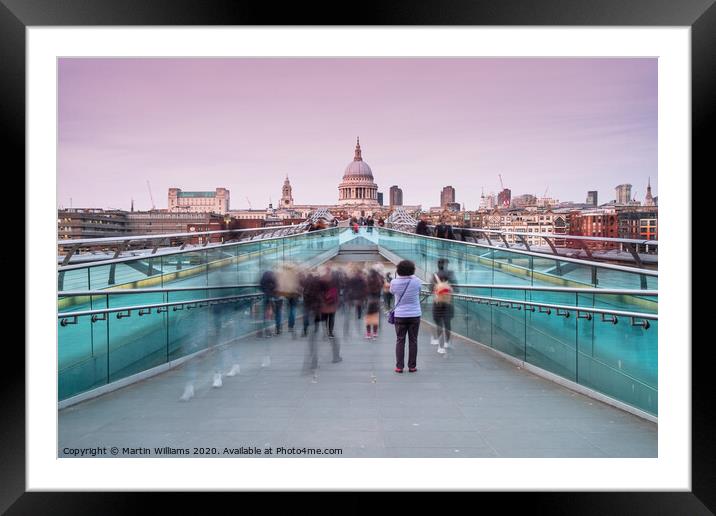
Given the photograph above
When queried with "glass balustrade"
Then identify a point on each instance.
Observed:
(97, 349)
(613, 356)
(226, 264)
(479, 264)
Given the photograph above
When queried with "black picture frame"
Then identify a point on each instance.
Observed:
(700, 15)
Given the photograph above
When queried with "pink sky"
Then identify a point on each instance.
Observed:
(570, 125)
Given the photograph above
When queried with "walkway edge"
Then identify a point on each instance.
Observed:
(129, 380)
(581, 389)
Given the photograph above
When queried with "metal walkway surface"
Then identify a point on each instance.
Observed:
(467, 403)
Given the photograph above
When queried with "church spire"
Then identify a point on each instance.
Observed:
(649, 201)
(357, 157)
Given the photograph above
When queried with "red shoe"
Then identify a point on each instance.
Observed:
(398, 370)
(412, 369)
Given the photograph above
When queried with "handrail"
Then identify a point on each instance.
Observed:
(510, 302)
(588, 290)
(560, 235)
(81, 241)
(62, 268)
(98, 311)
(122, 291)
(632, 270)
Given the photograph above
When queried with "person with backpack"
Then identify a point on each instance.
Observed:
(444, 230)
(442, 285)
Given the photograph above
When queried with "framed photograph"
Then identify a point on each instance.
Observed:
(412, 249)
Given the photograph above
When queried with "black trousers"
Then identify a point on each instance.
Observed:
(442, 314)
(409, 326)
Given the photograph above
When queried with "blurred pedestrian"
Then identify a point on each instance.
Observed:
(288, 287)
(406, 288)
(272, 303)
(329, 283)
(387, 295)
(374, 288)
(442, 285)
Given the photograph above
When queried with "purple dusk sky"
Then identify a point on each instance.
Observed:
(570, 125)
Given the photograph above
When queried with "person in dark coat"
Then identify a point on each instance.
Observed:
(354, 293)
(272, 303)
(444, 230)
(422, 227)
(311, 291)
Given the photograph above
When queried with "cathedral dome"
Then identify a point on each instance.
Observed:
(358, 169)
(358, 187)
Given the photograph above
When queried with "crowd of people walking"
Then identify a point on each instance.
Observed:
(360, 292)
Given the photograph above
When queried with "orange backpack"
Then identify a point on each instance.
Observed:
(442, 290)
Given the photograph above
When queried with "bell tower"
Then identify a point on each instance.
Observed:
(286, 194)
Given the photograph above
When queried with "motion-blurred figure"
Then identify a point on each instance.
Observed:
(355, 293)
(375, 282)
(387, 294)
(272, 303)
(311, 289)
(288, 287)
(442, 286)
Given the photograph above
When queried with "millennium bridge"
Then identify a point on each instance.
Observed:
(159, 348)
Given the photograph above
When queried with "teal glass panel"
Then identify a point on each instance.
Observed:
(551, 341)
(551, 272)
(460, 322)
(187, 327)
(480, 318)
(137, 342)
(82, 353)
(620, 360)
(479, 266)
(129, 274)
(508, 331)
(221, 265)
(72, 280)
(611, 278)
(512, 268)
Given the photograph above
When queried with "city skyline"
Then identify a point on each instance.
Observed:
(562, 125)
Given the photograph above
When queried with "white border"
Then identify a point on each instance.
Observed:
(671, 471)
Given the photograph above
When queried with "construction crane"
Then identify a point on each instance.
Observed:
(151, 197)
(501, 185)
(247, 200)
